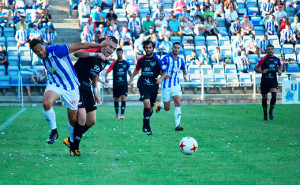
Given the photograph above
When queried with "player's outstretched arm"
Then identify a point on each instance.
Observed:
(135, 72)
(79, 46)
(159, 80)
(185, 75)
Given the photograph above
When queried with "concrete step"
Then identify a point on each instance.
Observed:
(67, 40)
(66, 25)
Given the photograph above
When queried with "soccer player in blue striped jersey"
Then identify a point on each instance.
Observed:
(62, 80)
(170, 87)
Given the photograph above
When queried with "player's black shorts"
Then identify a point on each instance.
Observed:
(87, 100)
(120, 90)
(266, 86)
(148, 92)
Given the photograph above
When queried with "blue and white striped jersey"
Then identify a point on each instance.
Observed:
(36, 33)
(270, 25)
(60, 69)
(172, 66)
(48, 36)
(22, 35)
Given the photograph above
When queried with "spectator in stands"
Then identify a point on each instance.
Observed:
(87, 36)
(247, 27)
(282, 61)
(230, 16)
(125, 37)
(263, 43)
(217, 58)
(99, 16)
(73, 4)
(132, 8)
(147, 24)
(235, 27)
(151, 32)
(29, 81)
(192, 59)
(100, 34)
(22, 22)
(197, 12)
(41, 77)
(184, 13)
(84, 9)
(92, 26)
(124, 24)
(165, 46)
(192, 5)
(218, 9)
(29, 4)
(271, 25)
(267, 8)
(207, 13)
(133, 24)
(277, 3)
(244, 62)
(228, 3)
(178, 6)
(164, 32)
(211, 26)
(44, 4)
(17, 17)
(157, 44)
(111, 16)
(9, 4)
(35, 33)
(137, 33)
(286, 35)
(186, 27)
(174, 26)
(171, 16)
(107, 3)
(205, 4)
(3, 58)
(238, 44)
(138, 46)
(22, 37)
(251, 47)
(159, 22)
(154, 4)
(157, 13)
(295, 4)
(283, 22)
(199, 28)
(294, 24)
(46, 20)
(48, 37)
(112, 32)
(119, 4)
(203, 58)
(280, 13)
(9, 20)
(297, 34)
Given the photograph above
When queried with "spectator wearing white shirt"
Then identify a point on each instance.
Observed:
(125, 37)
(35, 33)
(251, 47)
(92, 26)
(279, 13)
(238, 44)
(165, 46)
(87, 36)
(132, 8)
(164, 32)
(29, 4)
(84, 9)
(159, 22)
(158, 12)
(230, 17)
(287, 35)
(138, 46)
(218, 9)
(294, 24)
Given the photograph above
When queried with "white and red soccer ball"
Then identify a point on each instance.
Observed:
(188, 145)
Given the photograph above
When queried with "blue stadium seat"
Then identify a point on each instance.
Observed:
(221, 21)
(24, 51)
(211, 50)
(225, 50)
(2, 70)
(251, 4)
(13, 70)
(4, 82)
(193, 70)
(222, 31)
(224, 41)
(13, 60)
(208, 80)
(295, 77)
(257, 77)
(240, 3)
(252, 11)
(277, 49)
(8, 32)
(253, 58)
(218, 69)
(144, 12)
(259, 30)
(232, 80)
(290, 57)
(212, 41)
(297, 49)
(274, 39)
(188, 50)
(245, 79)
(25, 61)
(206, 69)
(220, 80)
(293, 68)
(287, 49)
(3, 41)
(175, 39)
(199, 41)
(230, 69)
(242, 11)
(256, 21)
(14, 81)
(290, 11)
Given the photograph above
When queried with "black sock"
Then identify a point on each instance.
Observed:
(273, 101)
(85, 128)
(123, 106)
(78, 131)
(265, 106)
(116, 107)
(146, 120)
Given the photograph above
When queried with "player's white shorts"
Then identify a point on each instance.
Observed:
(168, 93)
(70, 97)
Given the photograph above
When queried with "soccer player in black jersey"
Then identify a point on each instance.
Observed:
(120, 68)
(87, 67)
(269, 65)
(148, 82)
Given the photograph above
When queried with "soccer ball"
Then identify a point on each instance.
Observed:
(188, 145)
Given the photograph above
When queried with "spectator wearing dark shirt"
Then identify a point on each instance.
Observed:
(111, 16)
(297, 34)
(137, 33)
(3, 58)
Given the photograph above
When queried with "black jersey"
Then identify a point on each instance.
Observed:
(272, 64)
(87, 69)
(151, 68)
(120, 69)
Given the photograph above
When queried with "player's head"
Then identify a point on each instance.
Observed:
(108, 50)
(176, 48)
(270, 50)
(148, 46)
(119, 53)
(39, 48)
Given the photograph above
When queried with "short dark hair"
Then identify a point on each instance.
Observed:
(114, 39)
(35, 42)
(147, 42)
(111, 8)
(176, 43)
(270, 45)
(119, 49)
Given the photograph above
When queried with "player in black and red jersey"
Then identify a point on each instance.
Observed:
(269, 65)
(148, 82)
(120, 68)
(88, 66)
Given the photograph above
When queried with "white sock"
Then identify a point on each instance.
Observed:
(50, 118)
(177, 114)
(71, 131)
(162, 105)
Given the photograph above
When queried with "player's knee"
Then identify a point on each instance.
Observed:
(167, 108)
(91, 123)
(73, 120)
(47, 105)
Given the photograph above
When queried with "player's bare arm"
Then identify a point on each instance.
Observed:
(84, 54)
(185, 75)
(96, 97)
(135, 72)
(260, 71)
(159, 80)
(79, 46)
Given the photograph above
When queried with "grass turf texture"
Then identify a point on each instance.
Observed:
(235, 147)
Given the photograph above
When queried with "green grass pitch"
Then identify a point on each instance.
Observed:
(235, 147)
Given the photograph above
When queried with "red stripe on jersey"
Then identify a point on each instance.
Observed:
(111, 66)
(92, 50)
(138, 66)
(261, 61)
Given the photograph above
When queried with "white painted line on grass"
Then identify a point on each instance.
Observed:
(7, 122)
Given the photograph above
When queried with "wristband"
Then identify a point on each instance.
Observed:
(94, 89)
(92, 54)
